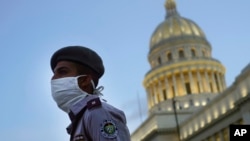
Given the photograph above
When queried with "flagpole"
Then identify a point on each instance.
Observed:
(176, 119)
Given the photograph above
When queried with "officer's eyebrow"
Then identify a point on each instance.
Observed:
(60, 68)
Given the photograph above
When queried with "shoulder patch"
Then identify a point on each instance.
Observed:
(93, 103)
(108, 129)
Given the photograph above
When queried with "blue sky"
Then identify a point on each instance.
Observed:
(31, 30)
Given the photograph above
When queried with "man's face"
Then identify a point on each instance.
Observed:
(69, 69)
(64, 69)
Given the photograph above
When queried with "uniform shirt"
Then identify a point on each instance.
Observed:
(99, 121)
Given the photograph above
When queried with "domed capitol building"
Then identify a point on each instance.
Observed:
(186, 90)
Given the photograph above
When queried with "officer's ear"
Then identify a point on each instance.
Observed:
(84, 83)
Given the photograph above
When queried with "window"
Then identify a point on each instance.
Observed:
(169, 55)
(159, 60)
(181, 54)
(164, 94)
(208, 99)
(193, 53)
(180, 107)
(188, 88)
(191, 102)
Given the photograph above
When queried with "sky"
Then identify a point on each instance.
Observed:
(31, 31)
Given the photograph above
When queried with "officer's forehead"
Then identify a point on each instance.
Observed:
(65, 64)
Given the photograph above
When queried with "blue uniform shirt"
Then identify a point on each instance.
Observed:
(93, 120)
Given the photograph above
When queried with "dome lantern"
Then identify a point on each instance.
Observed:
(170, 6)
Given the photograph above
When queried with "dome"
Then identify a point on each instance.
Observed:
(175, 26)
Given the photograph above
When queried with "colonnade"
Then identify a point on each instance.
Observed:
(184, 83)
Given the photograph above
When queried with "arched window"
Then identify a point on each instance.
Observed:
(169, 55)
(159, 60)
(181, 54)
(193, 52)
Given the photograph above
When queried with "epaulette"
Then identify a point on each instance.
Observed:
(94, 103)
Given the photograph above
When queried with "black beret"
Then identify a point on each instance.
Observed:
(79, 54)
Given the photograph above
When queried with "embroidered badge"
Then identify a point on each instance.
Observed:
(109, 129)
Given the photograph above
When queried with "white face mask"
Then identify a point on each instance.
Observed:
(66, 92)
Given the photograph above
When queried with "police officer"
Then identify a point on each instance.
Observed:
(77, 70)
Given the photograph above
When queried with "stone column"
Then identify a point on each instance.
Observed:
(221, 136)
(160, 90)
(223, 81)
(167, 87)
(213, 82)
(191, 80)
(199, 81)
(207, 81)
(148, 97)
(175, 86)
(155, 94)
(152, 99)
(219, 82)
(183, 83)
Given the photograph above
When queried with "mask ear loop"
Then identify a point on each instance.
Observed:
(97, 91)
(77, 80)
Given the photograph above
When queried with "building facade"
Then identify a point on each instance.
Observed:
(186, 90)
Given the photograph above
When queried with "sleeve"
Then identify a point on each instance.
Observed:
(106, 125)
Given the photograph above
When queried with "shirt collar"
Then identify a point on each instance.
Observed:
(76, 108)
